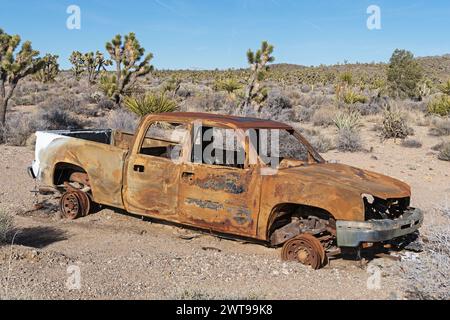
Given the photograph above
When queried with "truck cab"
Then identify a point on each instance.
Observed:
(244, 177)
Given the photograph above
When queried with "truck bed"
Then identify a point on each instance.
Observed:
(111, 137)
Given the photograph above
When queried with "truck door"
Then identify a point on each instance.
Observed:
(152, 172)
(217, 191)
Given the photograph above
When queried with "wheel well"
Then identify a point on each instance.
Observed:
(63, 172)
(282, 214)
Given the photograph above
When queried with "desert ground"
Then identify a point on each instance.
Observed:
(125, 257)
(342, 110)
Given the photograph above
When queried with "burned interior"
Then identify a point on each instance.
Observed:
(185, 168)
(376, 208)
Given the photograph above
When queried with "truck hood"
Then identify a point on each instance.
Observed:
(358, 180)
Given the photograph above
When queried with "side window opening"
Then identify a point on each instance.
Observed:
(164, 140)
(276, 145)
(217, 146)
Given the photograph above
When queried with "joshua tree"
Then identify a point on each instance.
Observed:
(14, 66)
(89, 63)
(50, 69)
(258, 65)
(127, 56)
(76, 59)
(94, 64)
(172, 85)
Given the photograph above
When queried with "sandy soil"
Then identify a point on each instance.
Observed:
(120, 256)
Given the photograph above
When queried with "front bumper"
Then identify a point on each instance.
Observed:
(353, 233)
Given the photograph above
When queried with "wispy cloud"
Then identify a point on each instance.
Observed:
(168, 7)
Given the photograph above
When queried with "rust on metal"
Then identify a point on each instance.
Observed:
(306, 249)
(300, 202)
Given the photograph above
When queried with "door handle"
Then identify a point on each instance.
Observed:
(187, 176)
(138, 168)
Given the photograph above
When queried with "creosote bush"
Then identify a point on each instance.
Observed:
(324, 116)
(348, 141)
(321, 143)
(411, 143)
(122, 120)
(440, 127)
(444, 151)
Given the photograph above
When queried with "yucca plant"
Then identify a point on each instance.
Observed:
(228, 85)
(347, 120)
(440, 106)
(346, 78)
(108, 84)
(351, 97)
(149, 103)
(445, 88)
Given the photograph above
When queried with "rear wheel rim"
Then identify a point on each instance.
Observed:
(71, 206)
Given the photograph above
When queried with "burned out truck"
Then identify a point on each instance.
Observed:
(242, 177)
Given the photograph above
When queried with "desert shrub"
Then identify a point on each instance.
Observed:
(427, 275)
(404, 74)
(149, 103)
(440, 127)
(348, 141)
(395, 125)
(62, 103)
(347, 120)
(105, 104)
(438, 146)
(2, 133)
(351, 97)
(209, 102)
(122, 120)
(324, 116)
(321, 143)
(440, 106)
(375, 106)
(305, 88)
(444, 151)
(55, 119)
(276, 101)
(411, 143)
(18, 129)
(304, 114)
(6, 225)
(184, 93)
(274, 113)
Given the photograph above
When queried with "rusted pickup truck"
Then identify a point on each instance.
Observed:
(244, 177)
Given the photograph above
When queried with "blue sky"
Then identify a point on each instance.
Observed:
(208, 34)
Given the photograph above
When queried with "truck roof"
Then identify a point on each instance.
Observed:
(223, 120)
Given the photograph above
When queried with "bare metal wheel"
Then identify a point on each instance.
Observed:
(71, 206)
(306, 249)
(85, 202)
